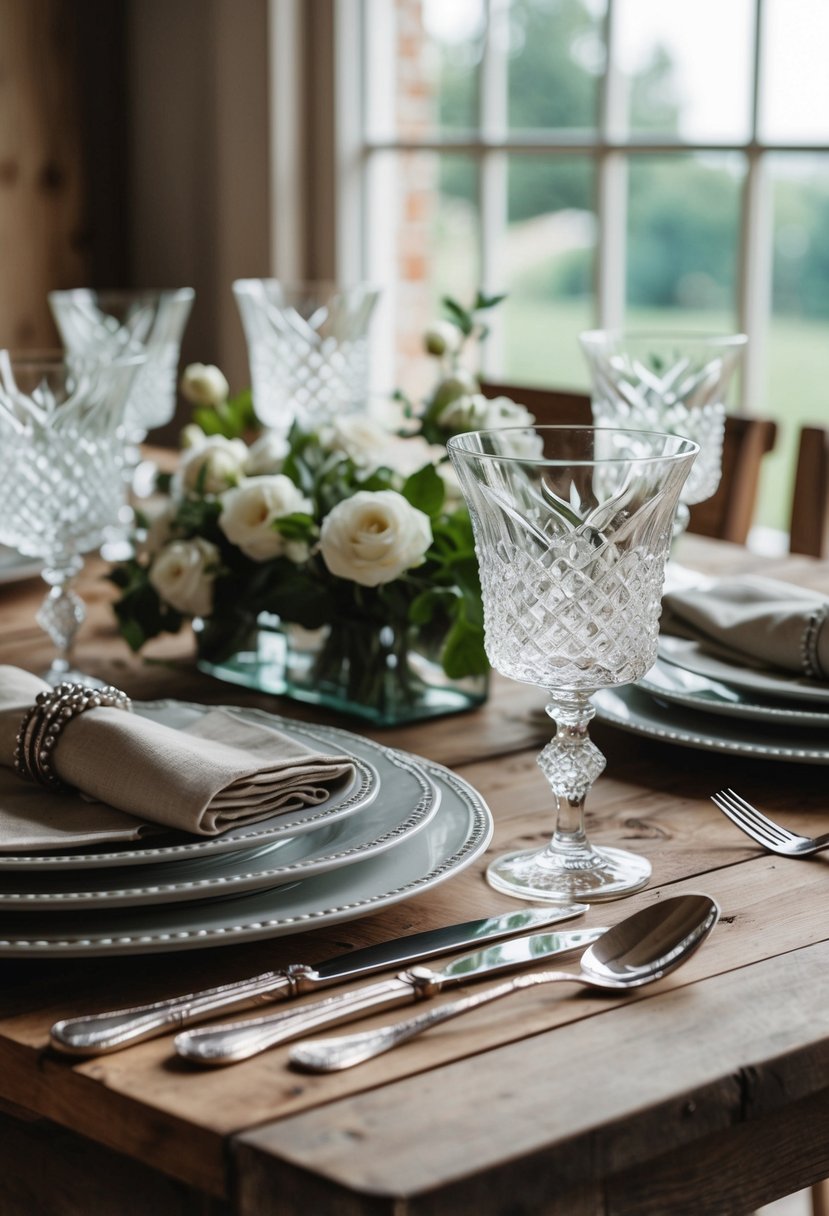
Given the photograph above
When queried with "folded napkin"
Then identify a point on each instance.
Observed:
(757, 622)
(133, 774)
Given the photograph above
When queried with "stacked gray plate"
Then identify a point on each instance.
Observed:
(399, 827)
(694, 699)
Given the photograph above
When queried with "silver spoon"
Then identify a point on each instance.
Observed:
(640, 949)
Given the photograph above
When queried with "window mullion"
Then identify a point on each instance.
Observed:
(755, 293)
(612, 186)
(493, 170)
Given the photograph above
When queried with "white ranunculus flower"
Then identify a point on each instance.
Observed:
(371, 538)
(249, 511)
(204, 384)
(267, 454)
(223, 462)
(183, 574)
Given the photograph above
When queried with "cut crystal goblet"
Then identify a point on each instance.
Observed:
(307, 348)
(61, 474)
(572, 531)
(109, 324)
(670, 382)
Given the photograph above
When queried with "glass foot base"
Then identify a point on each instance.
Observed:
(60, 673)
(541, 875)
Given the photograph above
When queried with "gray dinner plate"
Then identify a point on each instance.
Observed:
(348, 798)
(690, 656)
(458, 833)
(409, 799)
(675, 684)
(633, 710)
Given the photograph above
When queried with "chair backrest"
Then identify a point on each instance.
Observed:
(809, 524)
(727, 515)
(549, 405)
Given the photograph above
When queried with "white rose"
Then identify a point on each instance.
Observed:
(475, 412)
(443, 338)
(406, 456)
(249, 511)
(502, 411)
(204, 384)
(371, 538)
(468, 412)
(183, 575)
(267, 454)
(453, 495)
(222, 460)
(360, 437)
(159, 514)
(191, 436)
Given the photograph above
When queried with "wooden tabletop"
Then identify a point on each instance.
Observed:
(708, 1093)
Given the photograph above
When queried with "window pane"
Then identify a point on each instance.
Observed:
(439, 49)
(683, 241)
(424, 229)
(685, 68)
(556, 59)
(798, 349)
(794, 75)
(548, 259)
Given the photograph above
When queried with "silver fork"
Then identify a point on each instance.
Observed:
(765, 831)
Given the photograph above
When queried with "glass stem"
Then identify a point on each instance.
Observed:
(571, 762)
(62, 612)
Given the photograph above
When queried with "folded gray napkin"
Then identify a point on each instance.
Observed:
(757, 622)
(133, 774)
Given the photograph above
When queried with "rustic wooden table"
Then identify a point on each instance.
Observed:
(706, 1094)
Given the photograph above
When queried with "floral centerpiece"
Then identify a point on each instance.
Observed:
(350, 542)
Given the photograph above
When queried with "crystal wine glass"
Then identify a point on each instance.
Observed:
(572, 530)
(307, 348)
(670, 382)
(61, 474)
(106, 324)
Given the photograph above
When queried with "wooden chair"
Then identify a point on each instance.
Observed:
(727, 515)
(809, 524)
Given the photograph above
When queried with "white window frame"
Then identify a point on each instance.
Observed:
(364, 38)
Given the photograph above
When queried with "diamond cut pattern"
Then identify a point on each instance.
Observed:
(581, 625)
(669, 389)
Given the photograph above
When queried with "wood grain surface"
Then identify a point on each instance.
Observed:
(553, 1101)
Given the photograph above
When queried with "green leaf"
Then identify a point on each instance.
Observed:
(463, 652)
(233, 418)
(483, 302)
(425, 490)
(424, 606)
(299, 594)
(297, 526)
(460, 316)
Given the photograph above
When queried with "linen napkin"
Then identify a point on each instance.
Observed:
(756, 622)
(132, 774)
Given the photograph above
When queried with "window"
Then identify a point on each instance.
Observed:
(605, 162)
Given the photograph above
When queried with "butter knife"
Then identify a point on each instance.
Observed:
(100, 1033)
(234, 1041)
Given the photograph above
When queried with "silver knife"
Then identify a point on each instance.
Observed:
(234, 1041)
(99, 1033)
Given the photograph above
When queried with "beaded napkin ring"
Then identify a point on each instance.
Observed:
(808, 643)
(43, 723)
